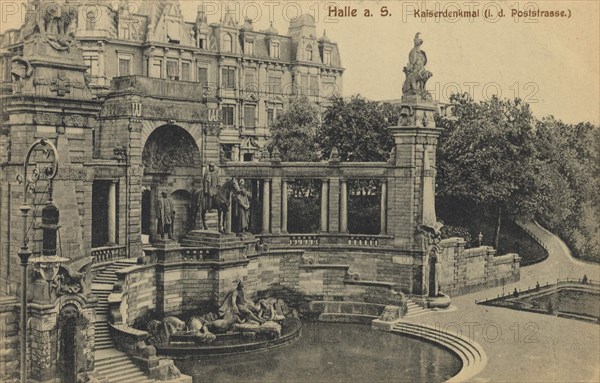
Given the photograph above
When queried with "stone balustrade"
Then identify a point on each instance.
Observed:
(108, 253)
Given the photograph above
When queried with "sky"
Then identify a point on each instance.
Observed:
(551, 62)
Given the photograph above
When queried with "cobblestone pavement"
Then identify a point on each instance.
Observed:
(523, 346)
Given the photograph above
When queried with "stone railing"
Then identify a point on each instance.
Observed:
(363, 240)
(304, 240)
(327, 239)
(108, 253)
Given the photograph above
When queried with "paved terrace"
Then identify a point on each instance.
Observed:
(523, 346)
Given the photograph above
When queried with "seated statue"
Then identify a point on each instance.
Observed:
(237, 302)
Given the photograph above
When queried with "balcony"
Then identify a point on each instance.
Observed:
(157, 87)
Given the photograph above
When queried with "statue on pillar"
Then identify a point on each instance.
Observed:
(166, 216)
(416, 74)
(54, 22)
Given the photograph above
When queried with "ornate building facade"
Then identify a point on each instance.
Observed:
(244, 76)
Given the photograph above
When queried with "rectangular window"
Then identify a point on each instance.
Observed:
(203, 76)
(185, 71)
(329, 86)
(124, 66)
(92, 63)
(275, 50)
(156, 69)
(228, 113)
(249, 48)
(227, 151)
(304, 84)
(275, 83)
(229, 78)
(125, 32)
(173, 70)
(202, 41)
(314, 86)
(270, 117)
(250, 80)
(327, 57)
(249, 116)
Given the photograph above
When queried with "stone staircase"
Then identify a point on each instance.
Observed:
(116, 367)
(111, 364)
(414, 309)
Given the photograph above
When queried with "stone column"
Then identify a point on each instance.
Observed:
(275, 213)
(266, 208)
(383, 216)
(112, 213)
(343, 206)
(284, 206)
(333, 205)
(324, 204)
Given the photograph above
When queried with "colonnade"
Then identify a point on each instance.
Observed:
(333, 217)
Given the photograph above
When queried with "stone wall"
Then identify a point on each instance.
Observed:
(467, 270)
(9, 341)
(139, 283)
(374, 264)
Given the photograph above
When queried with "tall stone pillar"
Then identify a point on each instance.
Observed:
(415, 140)
(343, 206)
(266, 227)
(275, 210)
(284, 206)
(324, 205)
(112, 213)
(383, 213)
(333, 217)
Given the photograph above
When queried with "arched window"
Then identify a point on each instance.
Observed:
(90, 21)
(309, 53)
(227, 46)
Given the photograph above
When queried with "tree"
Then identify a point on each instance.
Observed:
(358, 128)
(571, 199)
(294, 132)
(487, 158)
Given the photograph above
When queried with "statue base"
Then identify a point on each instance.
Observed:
(441, 301)
(225, 247)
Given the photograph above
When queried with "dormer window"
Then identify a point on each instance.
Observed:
(125, 32)
(275, 50)
(202, 41)
(173, 32)
(327, 57)
(249, 48)
(309, 53)
(227, 43)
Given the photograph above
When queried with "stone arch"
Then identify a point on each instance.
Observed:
(169, 146)
(149, 126)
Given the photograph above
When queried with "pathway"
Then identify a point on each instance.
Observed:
(523, 346)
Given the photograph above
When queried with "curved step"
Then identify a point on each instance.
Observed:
(472, 355)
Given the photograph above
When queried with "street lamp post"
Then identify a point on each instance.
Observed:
(49, 172)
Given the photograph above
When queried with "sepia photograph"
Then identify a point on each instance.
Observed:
(299, 191)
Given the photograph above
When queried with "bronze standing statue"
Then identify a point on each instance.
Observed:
(166, 216)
